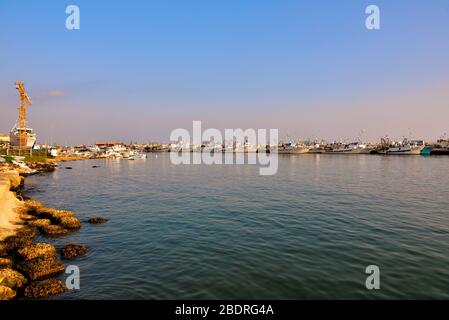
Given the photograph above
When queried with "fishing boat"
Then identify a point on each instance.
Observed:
(413, 147)
(293, 147)
(294, 150)
(441, 147)
(351, 148)
(427, 151)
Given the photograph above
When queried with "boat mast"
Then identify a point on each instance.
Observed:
(22, 123)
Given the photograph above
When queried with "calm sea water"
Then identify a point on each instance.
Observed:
(224, 232)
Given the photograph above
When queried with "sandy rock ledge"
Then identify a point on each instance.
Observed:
(44, 289)
(7, 293)
(37, 250)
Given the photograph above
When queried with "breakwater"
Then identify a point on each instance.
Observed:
(29, 269)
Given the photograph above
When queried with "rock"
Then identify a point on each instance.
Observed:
(97, 220)
(57, 215)
(36, 251)
(44, 213)
(44, 289)
(24, 237)
(21, 210)
(53, 230)
(39, 223)
(16, 181)
(26, 217)
(3, 249)
(72, 251)
(5, 263)
(70, 223)
(12, 279)
(41, 267)
(33, 205)
(53, 214)
(6, 293)
(26, 232)
(42, 167)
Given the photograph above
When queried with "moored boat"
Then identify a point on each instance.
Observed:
(406, 147)
(351, 148)
(136, 156)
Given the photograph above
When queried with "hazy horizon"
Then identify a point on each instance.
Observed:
(309, 68)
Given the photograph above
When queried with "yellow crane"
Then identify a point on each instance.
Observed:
(22, 121)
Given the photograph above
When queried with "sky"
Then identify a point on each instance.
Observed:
(136, 70)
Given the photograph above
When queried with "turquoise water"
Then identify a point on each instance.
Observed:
(224, 232)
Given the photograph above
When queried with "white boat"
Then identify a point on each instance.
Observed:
(208, 148)
(113, 154)
(15, 139)
(249, 148)
(413, 147)
(119, 148)
(293, 148)
(136, 156)
(351, 148)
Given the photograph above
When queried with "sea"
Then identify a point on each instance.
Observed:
(314, 230)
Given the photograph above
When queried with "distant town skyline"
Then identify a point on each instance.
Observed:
(137, 70)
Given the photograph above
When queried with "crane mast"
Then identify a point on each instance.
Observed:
(22, 121)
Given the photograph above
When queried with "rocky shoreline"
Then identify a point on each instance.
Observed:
(29, 270)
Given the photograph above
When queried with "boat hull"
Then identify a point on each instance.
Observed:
(440, 151)
(294, 151)
(15, 139)
(405, 152)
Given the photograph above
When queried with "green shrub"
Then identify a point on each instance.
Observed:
(8, 158)
(35, 158)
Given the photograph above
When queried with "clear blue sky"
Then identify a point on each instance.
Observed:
(138, 69)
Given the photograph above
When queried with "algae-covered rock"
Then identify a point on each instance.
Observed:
(54, 215)
(57, 215)
(42, 167)
(6, 293)
(44, 289)
(44, 213)
(53, 230)
(22, 238)
(70, 223)
(97, 220)
(72, 251)
(26, 217)
(12, 279)
(5, 263)
(21, 210)
(4, 248)
(36, 250)
(39, 223)
(33, 205)
(41, 267)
